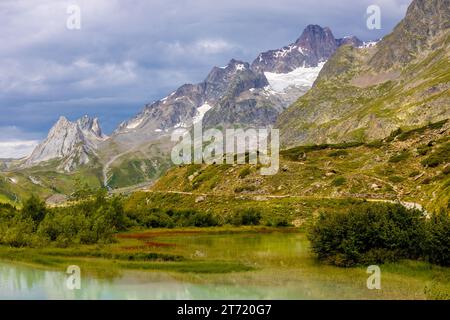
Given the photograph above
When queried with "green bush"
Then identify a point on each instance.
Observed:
(338, 153)
(399, 157)
(440, 156)
(202, 219)
(338, 181)
(446, 170)
(437, 245)
(246, 217)
(34, 208)
(18, 233)
(396, 179)
(278, 222)
(375, 144)
(192, 218)
(87, 222)
(158, 219)
(294, 154)
(423, 149)
(368, 232)
(414, 174)
(244, 172)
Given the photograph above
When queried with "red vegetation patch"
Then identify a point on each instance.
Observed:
(152, 234)
(149, 244)
(131, 248)
(159, 244)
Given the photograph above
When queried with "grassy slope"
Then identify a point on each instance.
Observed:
(129, 166)
(136, 168)
(47, 181)
(382, 170)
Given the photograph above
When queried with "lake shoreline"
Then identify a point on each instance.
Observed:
(225, 262)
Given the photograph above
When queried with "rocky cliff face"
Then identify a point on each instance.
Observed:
(191, 102)
(365, 93)
(424, 21)
(74, 143)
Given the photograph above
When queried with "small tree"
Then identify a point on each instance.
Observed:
(34, 208)
(438, 239)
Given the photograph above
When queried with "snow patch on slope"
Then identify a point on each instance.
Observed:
(299, 77)
(369, 44)
(13, 180)
(201, 111)
(240, 67)
(134, 124)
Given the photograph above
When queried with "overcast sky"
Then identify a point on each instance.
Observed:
(131, 52)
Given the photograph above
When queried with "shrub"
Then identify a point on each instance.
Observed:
(396, 132)
(399, 157)
(201, 219)
(18, 233)
(87, 222)
(338, 153)
(423, 149)
(440, 156)
(437, 245)
(375, 144)
(396, 179)
(159, 219)
(368, 232)
(244, 172)
(34, 208)
(278, 222)
(446, 170)
(188, 218)
(414, 174)
(338, 181)
(246, 217)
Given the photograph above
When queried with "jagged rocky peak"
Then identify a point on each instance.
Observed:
(91, 125)
(61, 123)
(221, 74)
(221, 80)
(353, 41)
(318, 41)
(233, 79)
(190, 102)
(314, 46)
(74, 142)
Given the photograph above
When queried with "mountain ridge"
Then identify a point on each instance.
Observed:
(360, 97)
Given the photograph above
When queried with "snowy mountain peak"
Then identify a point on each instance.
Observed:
(314, 46)
(237, 65)
(314, 36)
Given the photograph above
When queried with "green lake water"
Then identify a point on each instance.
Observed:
(283, 269)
